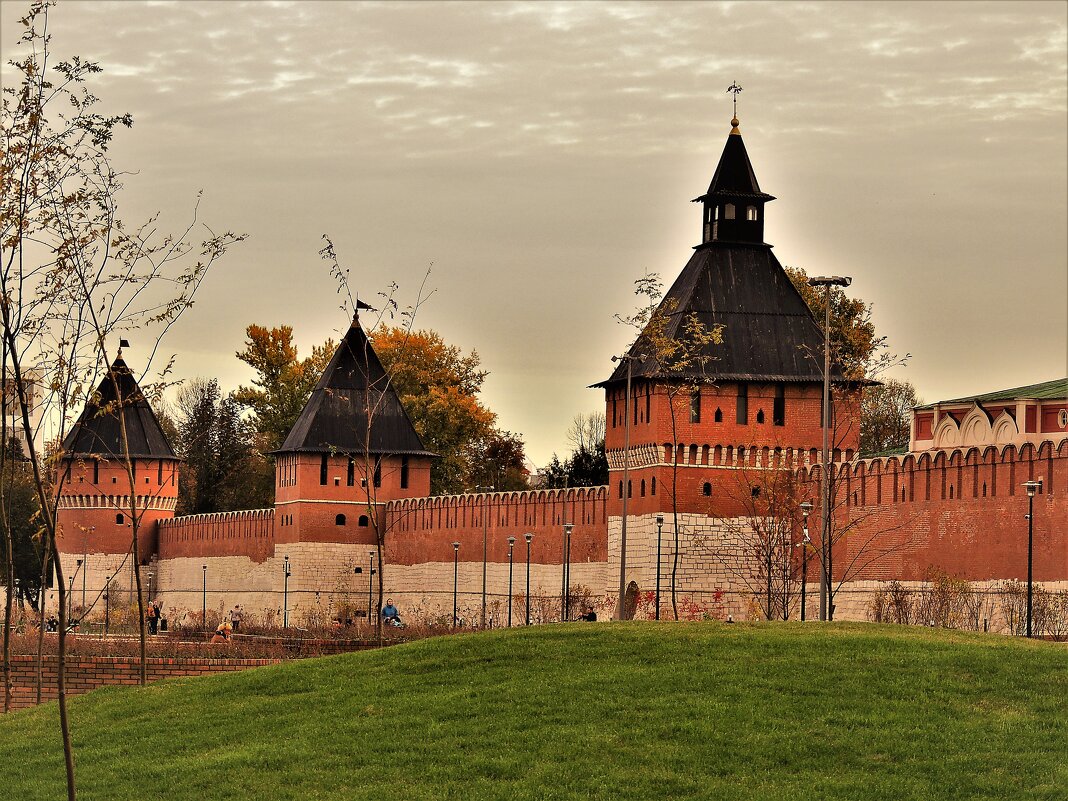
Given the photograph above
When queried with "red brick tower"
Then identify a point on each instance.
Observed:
(94, 518)
(352, 449)
(749, 402)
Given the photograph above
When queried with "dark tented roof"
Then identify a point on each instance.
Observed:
(335, 418)
(734, 175)
(1047, 390)
(769, 333)
(98, 431)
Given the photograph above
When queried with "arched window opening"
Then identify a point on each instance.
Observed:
(743, 405)
(350, 475)
(778, 411)
(339, 520)
(363, 522)
(751, 213)
(728, 211)
(620, 489)
(96, 471)
(323, 465)
(756, 492)
(719, 415)
(695, 406)
(760, 416)
(643, 488)
(159, 473)
(653, 486)
(120, 519)
(404, 472)
(984, 489)
(378, 472)
(630, 489)
(706, 490)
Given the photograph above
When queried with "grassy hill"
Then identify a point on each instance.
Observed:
(584, 711)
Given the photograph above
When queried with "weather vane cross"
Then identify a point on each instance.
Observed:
(734, 89)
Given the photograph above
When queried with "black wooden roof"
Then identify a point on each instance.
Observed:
(98, 433)
(734, 174)
(769, 334)
(335, 418)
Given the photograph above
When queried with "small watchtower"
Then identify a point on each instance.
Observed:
(352, 449)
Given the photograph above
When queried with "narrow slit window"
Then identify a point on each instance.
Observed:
(695, 406)
(778, 412)
(743, 404)
(323, 465)
(350, 475)
(378, 472)
(706, 490)
(404, 472)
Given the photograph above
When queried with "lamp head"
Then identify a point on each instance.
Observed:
(528, 536)
(806, 508)
(80, 561)
(660, 520)
(511, 541)
(568, 528)
(456, 547)
(1032, 488)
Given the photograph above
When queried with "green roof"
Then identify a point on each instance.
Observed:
(900, 449)
(1048, 390)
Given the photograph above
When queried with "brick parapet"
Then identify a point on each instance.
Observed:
(243, 533)
(85, 673)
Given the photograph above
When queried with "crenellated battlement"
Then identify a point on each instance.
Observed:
(248, 532)
(948, 474)
(691, 454)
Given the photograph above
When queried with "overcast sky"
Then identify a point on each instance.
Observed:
(543, 155)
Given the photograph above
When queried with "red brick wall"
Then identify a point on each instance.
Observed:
(249, 533)
(423, 529)
(962, 513)
(307, 509)
(88, 510)
(85, 673)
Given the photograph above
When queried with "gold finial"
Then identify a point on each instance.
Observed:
(734, 126)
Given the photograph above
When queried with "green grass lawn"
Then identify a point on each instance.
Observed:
(583, 711)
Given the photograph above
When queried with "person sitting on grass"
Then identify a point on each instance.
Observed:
(390, 614)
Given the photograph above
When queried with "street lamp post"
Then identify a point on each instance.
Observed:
(566, 606)
(511, 546)
(1032, 487)
(485, 548)
(826, 594)
(107, 604)
(659, 531)
(528, 536)
(285, 592)
(204, 599)
(85, 556)
(370, 584)
(806, 508)
(150, 575)
(626, 487)
(455, 578)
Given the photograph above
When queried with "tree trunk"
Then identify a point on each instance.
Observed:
(61, 675)
(45, 564)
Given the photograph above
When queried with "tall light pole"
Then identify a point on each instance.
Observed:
(370, 587)
(806, 509)
(528, 536)
(826, 593)
(455, 578)
(485, 548)
(626, 486)
(204, 599)
(659, 530)
(107, 604)
(566, 608)
(85, 556)
(285, 593)
(1032, 487)
(81, 565)
(511, 546)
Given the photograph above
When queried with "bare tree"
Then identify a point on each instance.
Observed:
(680, 352)
(761, 551)
(378, 393)
(73, 277)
